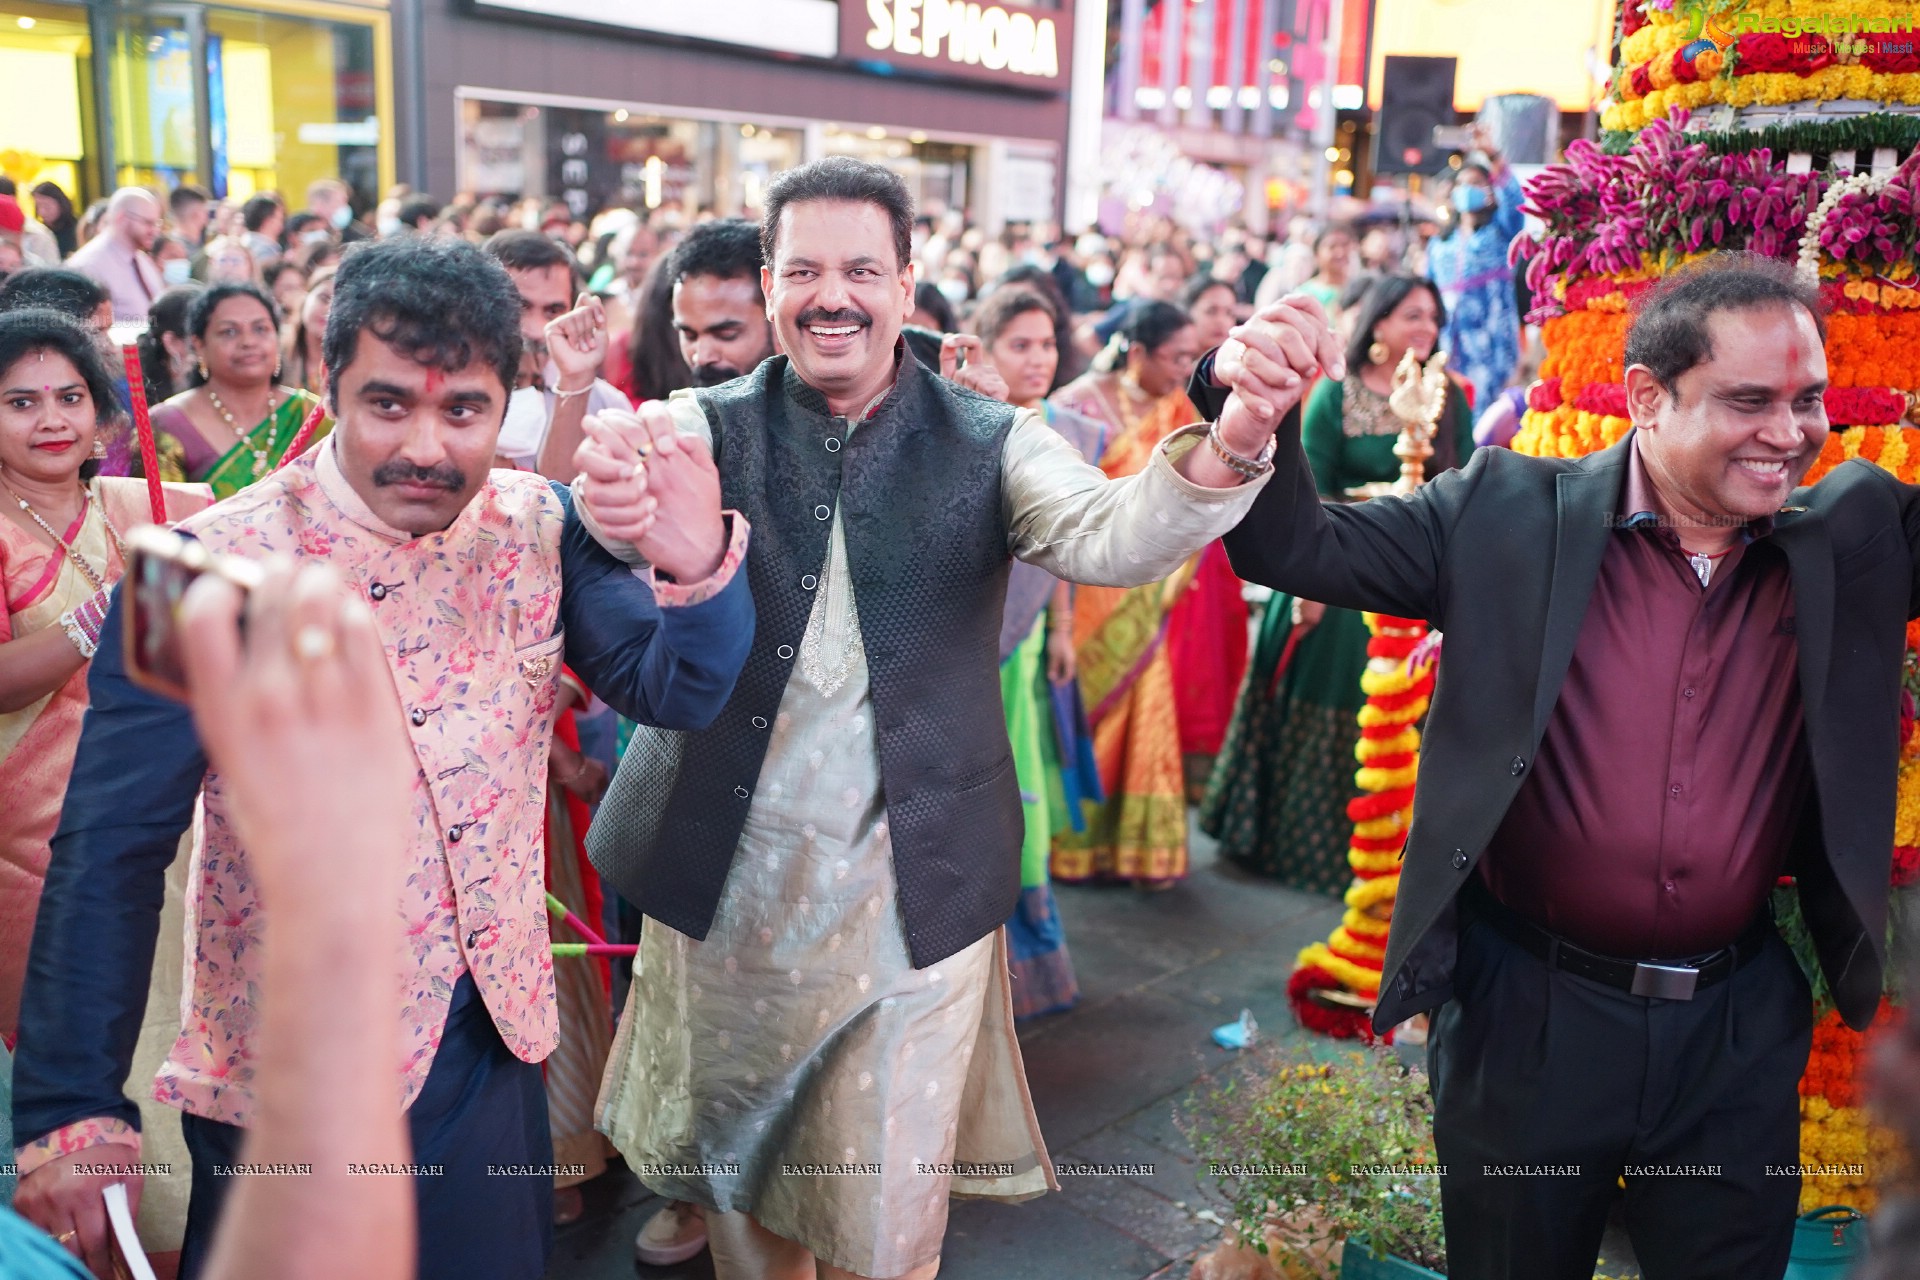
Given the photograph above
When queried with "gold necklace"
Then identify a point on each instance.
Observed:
(79, 561)
(241, 437)
(1122, 419)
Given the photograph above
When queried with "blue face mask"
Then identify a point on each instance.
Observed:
(1471, 199)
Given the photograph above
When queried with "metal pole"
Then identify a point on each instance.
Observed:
(1173, 35)
(1270, 19)
(1324, 119)
(1201, 21)
(1235, 119)
(1133, 23)
(1083, 110)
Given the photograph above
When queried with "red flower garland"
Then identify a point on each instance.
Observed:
(1544, 395)
(1609, 398)
(1906, 865)
(1864, 406)
(1342, 1024)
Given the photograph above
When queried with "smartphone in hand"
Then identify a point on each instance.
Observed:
(161, 565)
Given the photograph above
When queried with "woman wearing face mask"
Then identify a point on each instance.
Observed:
(1482, 339)
(1038, 666)
(302, 363)
(1140, 833)
(1277, 801)
(231, 428)
(175, 259)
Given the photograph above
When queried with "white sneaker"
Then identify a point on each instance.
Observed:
(674, 1234)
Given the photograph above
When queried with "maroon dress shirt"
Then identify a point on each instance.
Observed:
(1666, 790)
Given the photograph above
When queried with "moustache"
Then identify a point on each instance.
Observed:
(445, 476)
(847, 315)
(712, 375)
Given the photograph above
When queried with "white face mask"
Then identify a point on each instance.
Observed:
(388, 228)
(343, 216)
(176, 270)
(955, 291)
(525, 427)
(1099, 275)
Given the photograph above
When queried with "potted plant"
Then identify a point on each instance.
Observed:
(1324, 1158)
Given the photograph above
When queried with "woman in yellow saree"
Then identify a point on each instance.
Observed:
(1139, 833)
(233, 426)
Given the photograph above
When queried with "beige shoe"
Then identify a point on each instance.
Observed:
(674, 1234)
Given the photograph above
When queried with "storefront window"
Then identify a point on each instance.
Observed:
(593, 159)
(937, 173)
(46, 92)
(291, 100)
(155, 123)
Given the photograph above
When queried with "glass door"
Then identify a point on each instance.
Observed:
(157, 98)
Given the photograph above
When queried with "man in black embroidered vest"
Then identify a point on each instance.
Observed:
(818, 1047)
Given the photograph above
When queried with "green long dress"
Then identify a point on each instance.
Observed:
(1277, 800)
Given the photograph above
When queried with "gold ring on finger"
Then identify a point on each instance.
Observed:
(65, 1236)
(313, 643)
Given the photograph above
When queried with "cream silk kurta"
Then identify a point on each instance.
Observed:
(795, 1065)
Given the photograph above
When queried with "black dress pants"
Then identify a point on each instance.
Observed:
(1548, 1088)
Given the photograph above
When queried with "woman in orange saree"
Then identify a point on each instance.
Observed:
(1139, 833)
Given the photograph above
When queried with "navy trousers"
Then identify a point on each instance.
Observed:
(480, 1109)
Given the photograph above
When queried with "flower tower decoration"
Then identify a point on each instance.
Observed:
(1786, 128)
(1336, 983)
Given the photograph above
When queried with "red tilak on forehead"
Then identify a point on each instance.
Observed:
(435, 379)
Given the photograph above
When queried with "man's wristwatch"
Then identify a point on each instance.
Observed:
(1246, 468)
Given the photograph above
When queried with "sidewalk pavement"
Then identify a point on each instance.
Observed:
(1158, 972)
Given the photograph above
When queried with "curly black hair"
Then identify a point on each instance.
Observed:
(725, 248)
(56, 288)
(443, 303)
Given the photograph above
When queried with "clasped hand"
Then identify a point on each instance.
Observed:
(646, 484)
(1269, 362)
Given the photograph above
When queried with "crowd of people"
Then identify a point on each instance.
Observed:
(688, 542)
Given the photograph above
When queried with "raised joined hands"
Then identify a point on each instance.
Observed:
(646, 484)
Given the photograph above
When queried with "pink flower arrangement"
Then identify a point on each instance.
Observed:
(1666, 198)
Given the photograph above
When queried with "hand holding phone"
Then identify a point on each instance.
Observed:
(161, 565)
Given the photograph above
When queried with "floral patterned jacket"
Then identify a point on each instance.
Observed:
(472, 622)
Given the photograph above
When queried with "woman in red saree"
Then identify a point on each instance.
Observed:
(1139, 833)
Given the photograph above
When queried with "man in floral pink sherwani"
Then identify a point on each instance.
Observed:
(481, 582)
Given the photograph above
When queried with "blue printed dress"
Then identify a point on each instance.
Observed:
(1482, 338)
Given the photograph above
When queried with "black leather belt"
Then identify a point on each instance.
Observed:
(1661, 980)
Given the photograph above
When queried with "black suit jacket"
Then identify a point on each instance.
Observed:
(1502, 557)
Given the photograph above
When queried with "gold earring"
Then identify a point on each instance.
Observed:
(99, 450)
(203, 371)
(1377, 353)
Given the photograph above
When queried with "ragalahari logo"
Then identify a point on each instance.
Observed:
(1709, 33)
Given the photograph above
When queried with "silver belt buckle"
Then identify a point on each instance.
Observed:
(1665, 981)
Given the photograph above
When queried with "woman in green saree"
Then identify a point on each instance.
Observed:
(1277, 801)
(233, 425)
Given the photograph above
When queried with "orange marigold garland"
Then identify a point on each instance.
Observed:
(1398, 683)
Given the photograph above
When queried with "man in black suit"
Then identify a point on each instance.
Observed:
(1669, 679)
